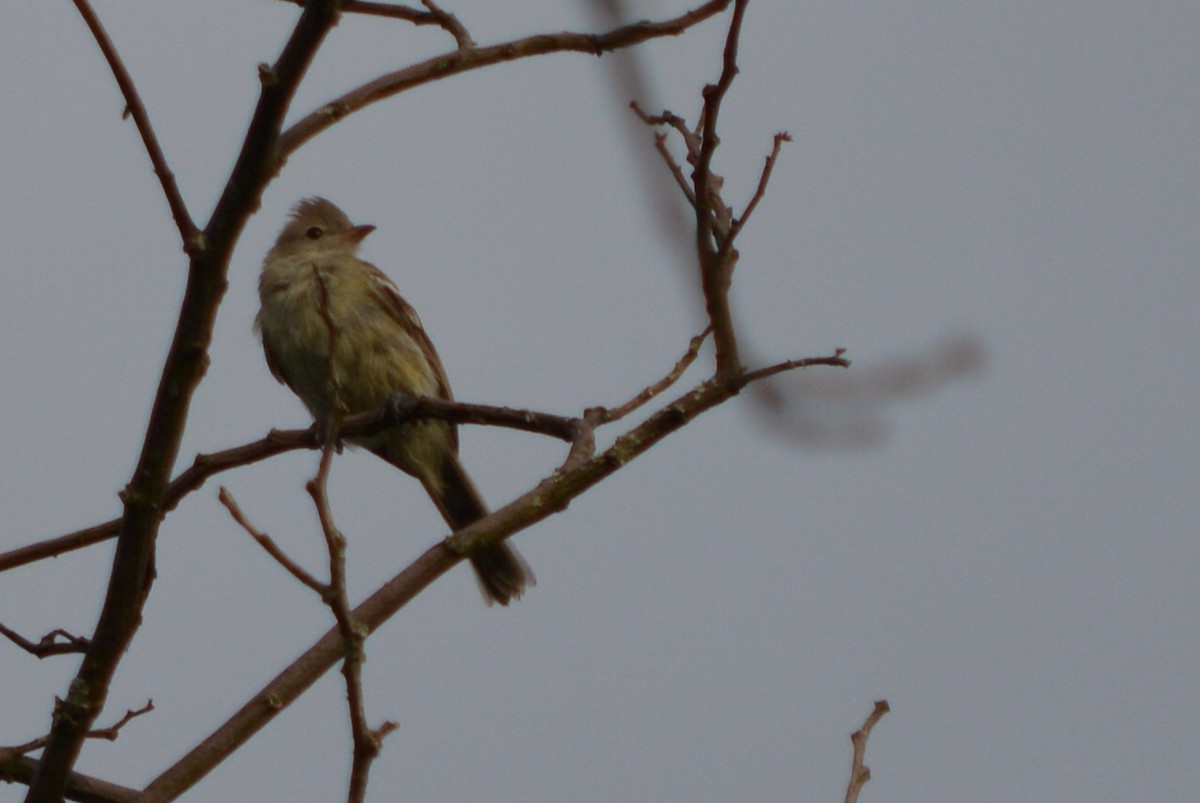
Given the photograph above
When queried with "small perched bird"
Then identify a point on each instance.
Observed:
(336, 331)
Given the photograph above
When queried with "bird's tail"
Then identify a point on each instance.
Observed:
(502, 573)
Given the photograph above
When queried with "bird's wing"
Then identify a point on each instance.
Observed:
(407, 318)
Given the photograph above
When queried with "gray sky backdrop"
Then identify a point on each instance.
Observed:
(1014, 567)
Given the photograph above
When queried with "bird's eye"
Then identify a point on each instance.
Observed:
(314, 232)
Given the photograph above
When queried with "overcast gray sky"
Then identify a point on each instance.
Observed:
(1013, 567)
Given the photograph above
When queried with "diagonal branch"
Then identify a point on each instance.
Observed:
(268, 543)
(185, 365)
(764, 178)
(135, 109)
(466, 59)
(400, 410)
(550, 496)
(48, 644)
(604, 415)
(860, 773)
(16, 766)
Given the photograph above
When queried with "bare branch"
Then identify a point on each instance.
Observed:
(714, 220)
(717, 259)
(400, 410)
(548, 497)
(451, 24)
(267, 543)
(188, 231)
(837, 361)
(668, 118)
(848, 411)
(859, 773)
(185, 365)
(763, 179)
(660, 144)
(604, 415)
(113, 731)
(49, 644)
(353, 635)
(17, 768)
(464, 60)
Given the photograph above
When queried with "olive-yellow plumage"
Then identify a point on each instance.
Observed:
(336, 330)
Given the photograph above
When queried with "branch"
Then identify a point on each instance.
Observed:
(715, 227)
(265, 541)
(849, 411)
(716, 263)
(185, 365)
(660, 144)
(353, 636)
(735, 228)
(859, 773)
(550, 496)
(604, 415)
(450, 22)
(466, 59)
(16, 766)
(837, 361)
(402, 409)
(135, 109)
(48, 644)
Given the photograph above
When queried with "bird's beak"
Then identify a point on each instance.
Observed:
(359, 232)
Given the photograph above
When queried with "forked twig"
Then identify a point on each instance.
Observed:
(49, 644)
(111, 733)
(367, 741)
(859, 772)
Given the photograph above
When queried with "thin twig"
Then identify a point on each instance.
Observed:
(402, 410)
(188, 231)
(763, 179)
(49, 644)
(17, 767)
(464, 60)
(660, 143)
(668, 118)
(451, 24)
(549, 496)
(111, 733)
(268, 544)
(836, 361)
(691, 145)
(859, 772)
(366, 741)
(604, 415)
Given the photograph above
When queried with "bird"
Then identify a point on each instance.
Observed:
(336, 330)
